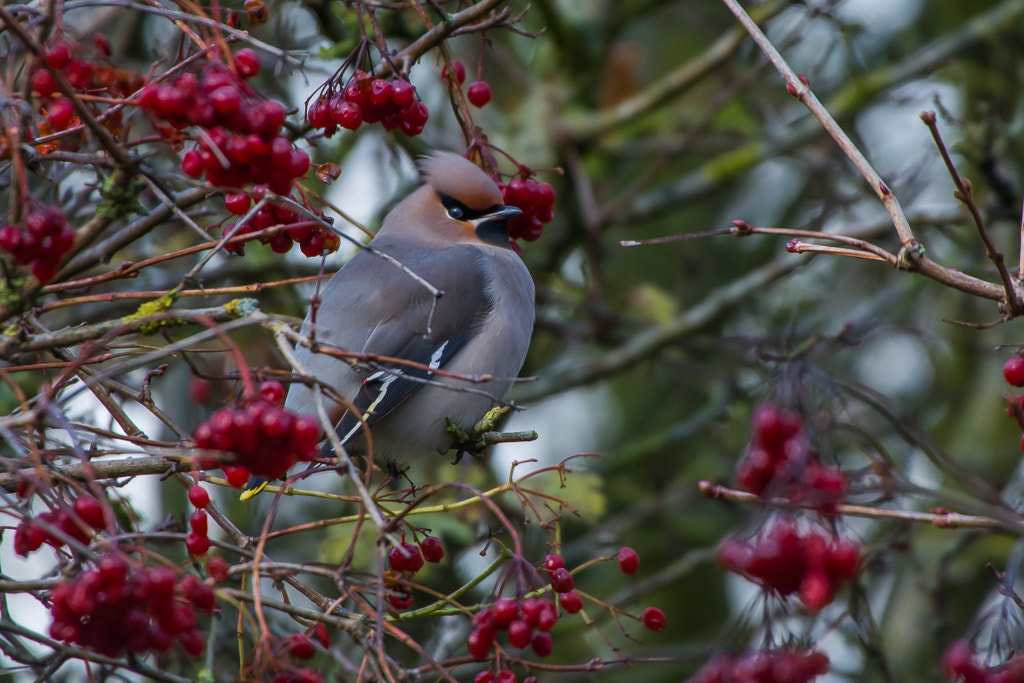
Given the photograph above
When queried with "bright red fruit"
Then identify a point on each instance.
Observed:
(60, 113)
(460, 72)
(654, 619)
(562, 581)
(198, 496)
(247, 62)
(432, 549)
(629, 561)
(1013, 371)
(300, 646)
(479, 94)
(571, 602)
(406, 557)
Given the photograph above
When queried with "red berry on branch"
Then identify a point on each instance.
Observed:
(654, 619)
(542, 644)
(217, 568)
(505, 610)
(60, 113)
(432, 549)
(520, 633)
(479, 94)
(562, 581)
(44, 83)
(272, 392)
(1013, 371)
(197, 544)
(247, 62)
(300, 646)
(405, 557)
(571, 602)
(460, 72)
(199, 522)
(90, 510)
(629, 560)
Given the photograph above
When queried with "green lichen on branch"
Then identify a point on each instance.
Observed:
(11, 296)
(158, 305)
(119, 199)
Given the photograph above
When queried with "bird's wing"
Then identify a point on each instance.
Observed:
(420, 329)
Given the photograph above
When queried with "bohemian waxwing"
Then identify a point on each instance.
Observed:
(453, 233)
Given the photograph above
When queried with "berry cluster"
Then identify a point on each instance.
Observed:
(785, 559)
(41, 241)
(763, 666)
(537, 202)
(31, 535)
(366, 99)
(780, 462)
(527, 622)
(312, 238)
(241, 141)
(409, 557)
(265, 438)
(958, 664)
(119, 606)
(198, 540)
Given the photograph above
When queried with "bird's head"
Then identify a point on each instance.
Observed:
(458, 204)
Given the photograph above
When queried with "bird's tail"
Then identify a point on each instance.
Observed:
(255, 485)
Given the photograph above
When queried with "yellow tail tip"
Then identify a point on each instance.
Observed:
(250, 493)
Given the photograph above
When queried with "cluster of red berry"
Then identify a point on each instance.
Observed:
(763, 666)
(241, 141)
(120, 606)
(958, 664)
(409, 557)
(31, 534)
(503, 676)
(41, 241)
(786, 559)
(781, 463)
(478, 93)
(527, 622)
(537, 202)
(312, 238)
(78, 72)
(265, 438)
(198, 540)
(366, 99)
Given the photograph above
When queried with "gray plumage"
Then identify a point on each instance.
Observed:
(452, 232)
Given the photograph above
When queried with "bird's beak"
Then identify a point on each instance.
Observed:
(504, 212)
(493, 228)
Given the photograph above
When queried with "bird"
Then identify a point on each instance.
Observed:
(451, 232)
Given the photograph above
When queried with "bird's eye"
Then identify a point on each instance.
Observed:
(455, 212)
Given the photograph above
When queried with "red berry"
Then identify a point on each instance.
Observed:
(1013, 371)
(198, 593)
(58, 56)
(402, 93)
(553, 562)
(400, 600)
(322, 635)
(217, 568)
(199, 522)
(520, 633)
(571, 602)
(562, 581)
(432, 549)
(90, 511)
(406, 558)
(192, 163)
(816, 590)
(247, 62)
(300, 646)
(629, 561)
(197, 544)
(654, 619)
(44, 83)
(505, 610)
(541, 644)
(60, 113)
(237, 476)
(348, 115)
(460, 72)
(198, 496)
(479, 94)
(479, 643)
(484, 677)
(272, 392)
